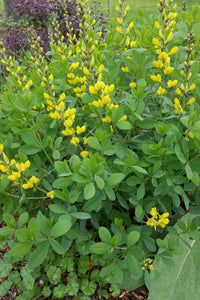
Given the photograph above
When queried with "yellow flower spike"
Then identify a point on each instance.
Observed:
(157, 25)
(132, 84)
(86, 71)
(161, 91)
(84, 154)
(51, 194)
(125, 69)
(123, 118)
(192, 87)
(191, 101)
(156, 78)
(62, 97)
(119, 30)
(100, 69)
(106, 119)
(173, 50)
(178, 106)
(81, 129)
(92, 90)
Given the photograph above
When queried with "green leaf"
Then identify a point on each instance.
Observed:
(179, 154)
(99, 248)
(38, 255)
(105, 235)
(61, 227)
(56, 247)
(99, 181)
(124, 125)
(141, 191)
(30, 149)
(20, 249)
(178, 279)
(188, 171)
(56, 154)
(110, 193)
(5, 269)
(195, 129)
(57, 209)
(94, 143)
(89, 191)
(132, 238)
(81, 215)
(23, 218)
(23, 235)
(115, 179)
(139, 169)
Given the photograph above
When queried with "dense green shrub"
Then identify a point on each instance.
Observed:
(100, 156)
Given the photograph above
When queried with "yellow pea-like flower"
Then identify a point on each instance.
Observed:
(119, 30)
(168, 70)
(84, 154)
(156, 78)
(81, 129)
(62, 97)
(123, 118)
(125, 69)
(51, 194)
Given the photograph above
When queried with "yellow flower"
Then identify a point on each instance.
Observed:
(119, 30)
(34, 180)
(130, 25)
(14, 176)
(119, 21)
(123, 118)
(156, 78)
(158, 64)
(163, 55)
(55, 115)
(86, 71)
(173, 50)
(178, 91)
(161, 34)
(147, 264)
(190, 134)
(133, 44)
(106, 100)
(192, 87)
(51, 77)
(170, 37)
(156, 42)
(178, 106)
(67, 132)
(109, 89)
(62, 97)
(100, 69)
(172, 83)
(85, 139)
(80, 129)
(157, 25)
(163, 220)
(46, 96)
(127, 8)
(106, 119)
(117, 8)
(132, 84)
(161, 91)
(191, 101)
(84, 154)
(51, 194)
(125, 69)
(157, 219)
(1, 147)
(99, 85)
(74, 141)
(168, 70)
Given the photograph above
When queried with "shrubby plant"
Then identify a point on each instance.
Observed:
(99, 155)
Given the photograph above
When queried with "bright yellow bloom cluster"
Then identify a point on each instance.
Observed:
(172, 83)
(178, 106)
(157, 219)
(15, 170)
(102, 91)
(161, 91)
(50, 195)
(156, 78)
(125, 69)
(147, 264)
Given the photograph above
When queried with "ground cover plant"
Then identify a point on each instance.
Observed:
(100, 156)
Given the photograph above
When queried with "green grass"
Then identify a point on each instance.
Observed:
(1, 5)
(148, 6)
